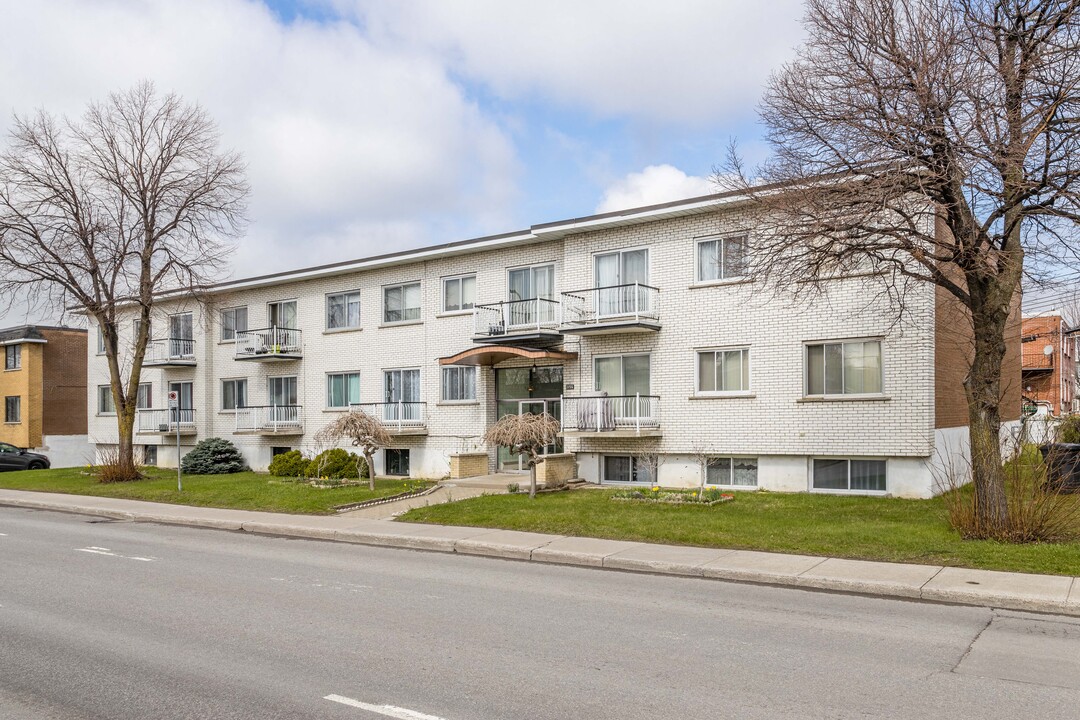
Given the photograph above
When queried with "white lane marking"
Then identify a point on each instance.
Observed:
(3, 534)
(93, 549)
(387, 710)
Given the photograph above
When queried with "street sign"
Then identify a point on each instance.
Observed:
(174, 400)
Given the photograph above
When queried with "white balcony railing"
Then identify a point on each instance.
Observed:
(605, 413)
(396, 415)
(164, 420)
(270, 418)
(268, 343)
(165, 351)
(603, 304)
(515, 316)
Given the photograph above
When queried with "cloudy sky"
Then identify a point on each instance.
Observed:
(370, 126)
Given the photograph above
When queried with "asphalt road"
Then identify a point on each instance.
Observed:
(102, 619)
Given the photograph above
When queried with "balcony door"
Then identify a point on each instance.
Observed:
(185, 398)
(281, 391)
(622, 375)
(181, 336)
(615, 271)
(401, 386)
(531, 283)
(282, 314)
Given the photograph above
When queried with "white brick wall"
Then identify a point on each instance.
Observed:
(772, 423)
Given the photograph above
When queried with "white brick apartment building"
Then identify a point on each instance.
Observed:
(634, 328)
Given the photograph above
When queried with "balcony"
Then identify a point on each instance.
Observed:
(165, 421)
(272, 344)
(270, 420)
(611, 416)
(170, 352)
(633, 308)
(399, 418)
(532, 322)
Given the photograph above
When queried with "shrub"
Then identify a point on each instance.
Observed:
(213, 456)
(110, 470)
(1069, 429)
(289, 464)
(513, 488)
(337, 464)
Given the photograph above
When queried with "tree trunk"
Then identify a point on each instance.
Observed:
(532, 478)
(125, 450)
(983, 389)
(370, 458)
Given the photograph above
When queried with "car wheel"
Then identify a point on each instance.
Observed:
(35, 466)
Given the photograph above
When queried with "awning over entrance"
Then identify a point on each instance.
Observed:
(493, 354)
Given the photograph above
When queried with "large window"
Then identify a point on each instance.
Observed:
(721, 258)
(849, 475)
(626, 469)
(233, 393)
(145, 399)
(401, 303)
(12, 357)
(105, 400)
(458, 383)
(13, 409)
(459, 293)
(342, 389)
(616, 271)
(723, 371)
(843, 368)
(282, 314)
(343, 310)
(281, 391)
(622, 375)
(233, 321)
(731, 471)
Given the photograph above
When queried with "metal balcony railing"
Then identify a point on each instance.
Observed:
(269, 418)
(516, 316)
(164, 420)
(268, 342)
(605, 413)
(165, 351)
(396, 415)
(603, 304)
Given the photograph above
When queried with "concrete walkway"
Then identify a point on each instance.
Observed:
(1012, 591)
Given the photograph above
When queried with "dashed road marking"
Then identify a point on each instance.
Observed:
(388, 710)
(94, 550)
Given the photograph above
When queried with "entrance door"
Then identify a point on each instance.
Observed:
(510, 462)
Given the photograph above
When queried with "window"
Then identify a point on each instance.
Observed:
(12, 357)
(614, 273)
(233, 321)
(282, 314)
(136, 325)
(732, 471)
(105, 404)
(849, 475)
(401, 303)
(459, 293)
(721, 258)
(149, 455)
(847, 368)
(144, 400)
(100, 341)
(396, 462)
(233, 394)
(342, 389)
(622, 375)
(723, 371)
(458, 383)
(343, 310)
(13, 409)
(281, 390)
(276, 450)
(626, 468)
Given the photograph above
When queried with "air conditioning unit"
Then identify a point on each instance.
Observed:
(163, 427)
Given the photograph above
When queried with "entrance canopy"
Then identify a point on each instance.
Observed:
(493, 354)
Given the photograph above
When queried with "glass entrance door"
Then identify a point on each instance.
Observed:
(527, 390)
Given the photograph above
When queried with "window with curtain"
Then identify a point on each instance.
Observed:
(233, 321)
(731, 471)
(12, 357)
(616, 274)
(100, 341)
(626, 469)
(401, 303)
(850, 475)
(145, 400)
(233, 394)
(535, 283)
(844, 368)
(721, 258)
(723, 371)
(459, 293)
(458, 383)
(13, 409)
(105, 400)
(282, 314)
(342, 390)
(282, 390)
(343, 310)
(622, 375)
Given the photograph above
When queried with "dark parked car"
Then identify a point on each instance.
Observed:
(13, 458)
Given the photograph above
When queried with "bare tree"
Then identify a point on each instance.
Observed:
(103, 214)
(927, 141)
(526, 434)
(363, 430)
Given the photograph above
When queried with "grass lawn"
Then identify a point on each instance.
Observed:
(869, 528)
(241, 491)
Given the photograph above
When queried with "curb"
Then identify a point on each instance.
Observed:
(1055, 594)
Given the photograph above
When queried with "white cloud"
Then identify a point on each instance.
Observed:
(655, 184)
(692, 61)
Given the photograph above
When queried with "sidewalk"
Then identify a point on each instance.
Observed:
(1012, 591)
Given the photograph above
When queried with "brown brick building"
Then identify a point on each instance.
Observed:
(1049, 363)
(43, 388)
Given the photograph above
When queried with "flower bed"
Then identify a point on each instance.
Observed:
(693, 496)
